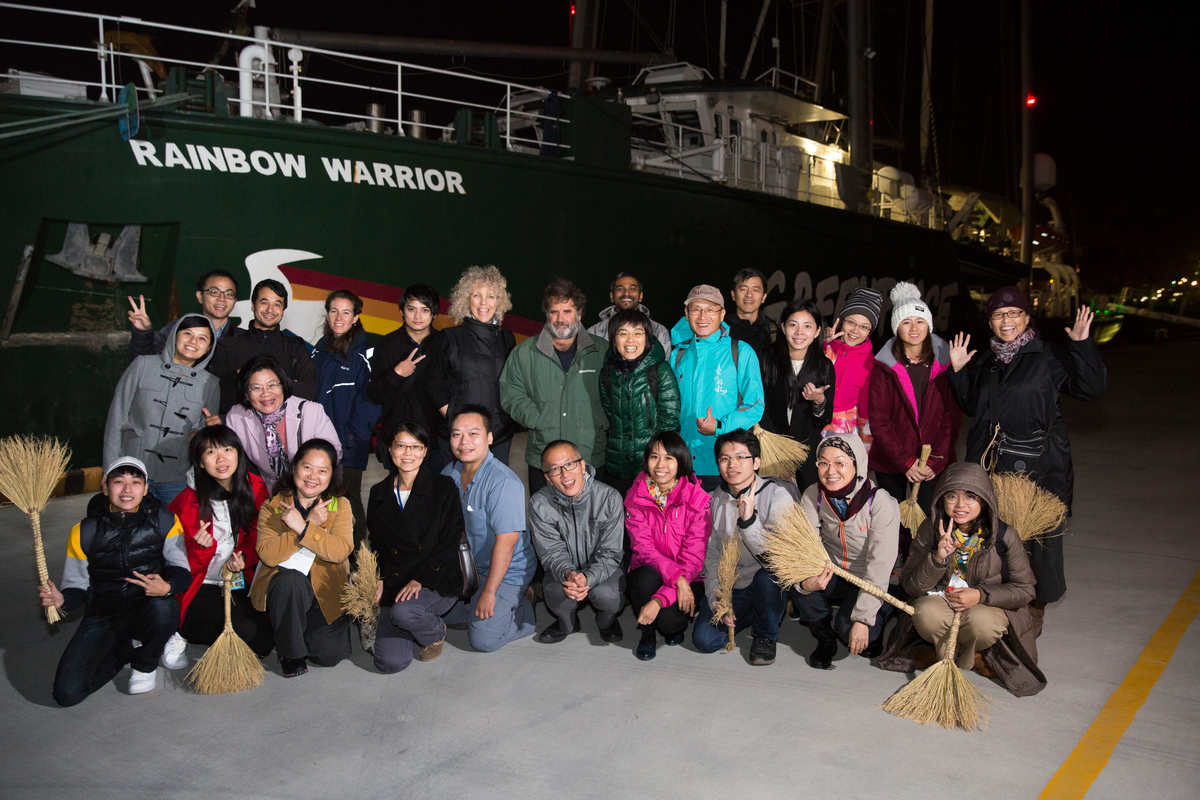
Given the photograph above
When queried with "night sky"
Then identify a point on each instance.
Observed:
(1116, 90)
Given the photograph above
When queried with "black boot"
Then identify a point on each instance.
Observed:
(826, 649)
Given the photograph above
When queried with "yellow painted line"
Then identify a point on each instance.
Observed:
(1075, 777)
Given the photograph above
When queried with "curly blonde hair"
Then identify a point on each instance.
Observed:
(489, 276)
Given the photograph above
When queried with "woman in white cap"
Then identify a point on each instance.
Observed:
(910, 402)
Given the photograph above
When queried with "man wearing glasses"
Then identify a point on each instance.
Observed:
(742, 507)
(578, 526)
(216, 292)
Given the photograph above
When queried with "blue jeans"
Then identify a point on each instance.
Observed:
(101, 646)
(818, 606)
(759, 606)
(167, 491)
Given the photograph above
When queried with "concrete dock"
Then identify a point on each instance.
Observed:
(585, 719)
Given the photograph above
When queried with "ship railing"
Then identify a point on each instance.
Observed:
(267, 76)
(778, 78)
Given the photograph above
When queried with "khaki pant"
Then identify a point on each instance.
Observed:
(980, 628)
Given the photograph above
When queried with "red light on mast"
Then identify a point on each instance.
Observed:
(1030, 100)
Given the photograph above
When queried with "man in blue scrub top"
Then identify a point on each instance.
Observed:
(493, 501)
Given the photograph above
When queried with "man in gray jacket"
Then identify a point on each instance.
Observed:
(742, 506)
(577, 525)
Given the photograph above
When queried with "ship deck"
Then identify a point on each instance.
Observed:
(584, 719)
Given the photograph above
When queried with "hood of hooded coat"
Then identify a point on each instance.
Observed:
(156, 408)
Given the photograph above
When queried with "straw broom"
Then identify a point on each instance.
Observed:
(794, 552)
(942, 694)
(781, 455)
(1029, 508)
(358, 595)
(29, 470)
(911, 515)
(726, 576)
(229, 665)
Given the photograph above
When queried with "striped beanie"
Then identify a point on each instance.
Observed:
(867, 302)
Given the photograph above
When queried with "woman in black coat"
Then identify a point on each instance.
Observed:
(414, 522)
(798, 383)
(467, 359)
(1014, 388)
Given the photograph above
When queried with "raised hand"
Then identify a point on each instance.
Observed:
(745, 502)
(707, 425)
(814, 394)
(946, 545)
(138, 317)
(202, 536)
(210, 418)
(959, 355)
(236, 562)
(1082, 327)
(409, 365)
(833, 333)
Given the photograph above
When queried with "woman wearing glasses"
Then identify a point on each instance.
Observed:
(850, 351)
(860, 527)
(799, 383)
(1012, 393)
(911, 404)
(973, 562)
(415, 522)
(271, 422)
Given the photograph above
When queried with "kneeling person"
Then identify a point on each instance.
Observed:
(578, 527)
(743, 506)
(126, 562)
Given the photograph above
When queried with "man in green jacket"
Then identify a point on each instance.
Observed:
(551, 383)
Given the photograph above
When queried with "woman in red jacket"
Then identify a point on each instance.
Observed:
(220, 526)
(910, 402)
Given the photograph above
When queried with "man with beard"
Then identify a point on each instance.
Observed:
(626, 293)
(216, 292)
(551, 383)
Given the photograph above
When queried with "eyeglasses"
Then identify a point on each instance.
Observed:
(273, 386)
(840, 466)
(999, 315)
(960, 497)
(725, 461)
(408, 448)
(214, 293)
(554, 472)
(855, 326)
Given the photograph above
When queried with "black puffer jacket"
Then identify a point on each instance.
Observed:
(467, 362)
(117, 544)
(420, 541)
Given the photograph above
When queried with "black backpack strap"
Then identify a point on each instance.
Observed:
(606, 380)
(652, 376)
(733, 344)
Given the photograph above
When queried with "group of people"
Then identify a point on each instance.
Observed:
(237, 455)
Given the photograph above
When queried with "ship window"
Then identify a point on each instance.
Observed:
(718, 125)
(648, 128)
(762, 136)
(735, 127)
(688, 139)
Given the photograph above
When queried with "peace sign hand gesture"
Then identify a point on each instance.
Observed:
(832, 333)
(409, 365)
(138, 317)
(946, 545)
(959, 356)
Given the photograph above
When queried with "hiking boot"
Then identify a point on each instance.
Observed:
(554, 632)
(291, 667)
(430, 651)
(822, 656)
(612, 633)
(174, 655)
(142, 682)
(762, 651)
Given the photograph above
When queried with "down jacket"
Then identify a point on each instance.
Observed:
(467, 361)
(771, 496)
(634, 412)
(898, 427)
(554, 404)
(585, 533)
(342, 391)
(865, 544)
(708, 377)
(672, 540)
(156, 408)
(1001, 573)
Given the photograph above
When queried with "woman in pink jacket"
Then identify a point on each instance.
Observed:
(850, 351)
(668, 519)
(271, 423)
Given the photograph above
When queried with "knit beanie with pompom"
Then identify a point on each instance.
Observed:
(907, 302)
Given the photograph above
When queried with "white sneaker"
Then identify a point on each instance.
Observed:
(142, 682)
(174, 655)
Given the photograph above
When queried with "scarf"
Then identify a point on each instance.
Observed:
(657, 495)
(968, 545)
(1005, 351)
(276, 452)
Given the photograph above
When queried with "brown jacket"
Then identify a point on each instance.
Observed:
(332, 543)
(1001, 573)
